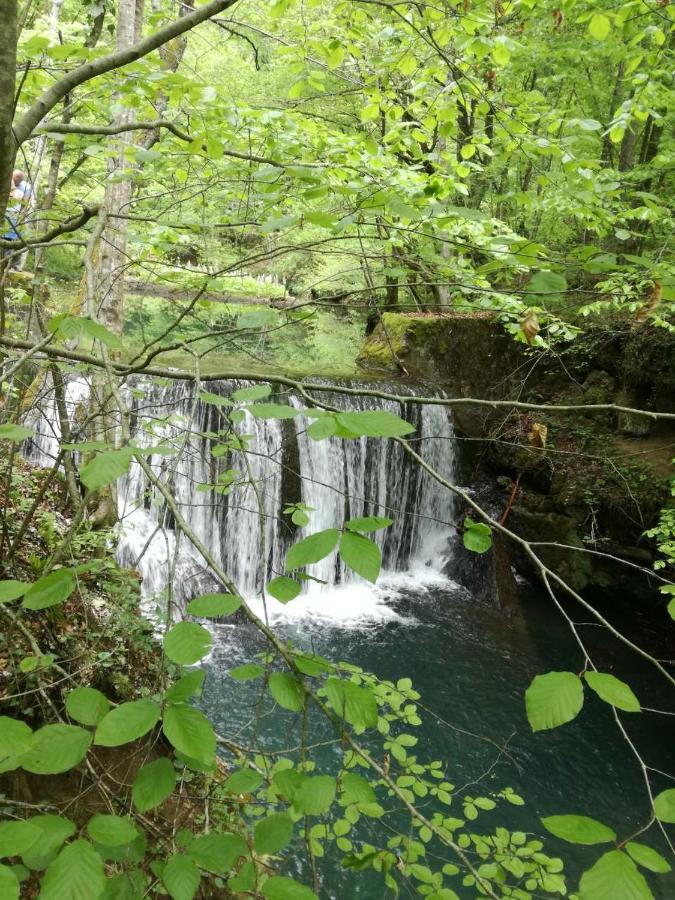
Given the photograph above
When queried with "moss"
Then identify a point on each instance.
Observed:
(23, 280)
(411, 340)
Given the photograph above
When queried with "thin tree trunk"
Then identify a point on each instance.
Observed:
(8, 39)
(112, 255)
(607, 146)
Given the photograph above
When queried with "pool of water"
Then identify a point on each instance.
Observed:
(471, 663)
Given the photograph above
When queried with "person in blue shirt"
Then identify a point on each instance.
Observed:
(19, 203)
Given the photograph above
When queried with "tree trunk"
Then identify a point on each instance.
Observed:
(107, 258)
(112, 255)
(8, 39)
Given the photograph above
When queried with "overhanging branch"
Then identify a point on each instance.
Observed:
(124, 370)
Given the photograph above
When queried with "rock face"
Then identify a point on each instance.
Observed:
(594, 480)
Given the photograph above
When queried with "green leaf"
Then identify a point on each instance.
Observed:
(245, 879)
(664, 806)
(54, 830)
(671, 608)
(355, 789)
(322, 219)
(69, 326)
(9, 884)
(599, 27)
(75, 874)
(152, 785)
(257, 392)
(546, 283)
(188, 730)
(181, 877)
(129, 885)
(15, 433)
(213, 605)
(477, 536)
(105, 468)
(188, 685)
(614, 877)
(111, 831)
(273, 411)
(17, 837)
(279, 223)
(501, 54)
(283, 589)
(187, 643)
(612, 691)
(127, 723)
(553, 699)
(322, 428)
(12, 590)
(616, 134)
(368, 523)
(273, 833)
(279, 887)
(286, 691)
(374, 423)
(354, 704)
(243, 781)
(56, 749)
(361, 554)
(648, 858)
(15, 738)
(312, 549)
(247, 672)
(215, 399)
(315, 795)
(87, 705)
(50, 590)
(217, 852)
(579, 829)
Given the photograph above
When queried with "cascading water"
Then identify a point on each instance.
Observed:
(233, 500)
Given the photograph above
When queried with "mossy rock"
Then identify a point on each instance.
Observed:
(23, 280)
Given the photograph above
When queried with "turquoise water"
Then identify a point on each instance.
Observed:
(472, 663)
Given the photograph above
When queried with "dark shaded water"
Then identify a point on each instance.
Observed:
(472, 664)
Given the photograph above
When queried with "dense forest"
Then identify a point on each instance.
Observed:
(337, 540)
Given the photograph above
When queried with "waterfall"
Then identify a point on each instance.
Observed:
(43, 448)
(233, 500)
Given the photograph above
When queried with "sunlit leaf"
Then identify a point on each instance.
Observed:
(188, 730)
(55, 749)
(614, 877)
(87, 705)
(127, 722)
(612, 690)
(186, 643)
(553, 699)
(579, 829)
(312, 549)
